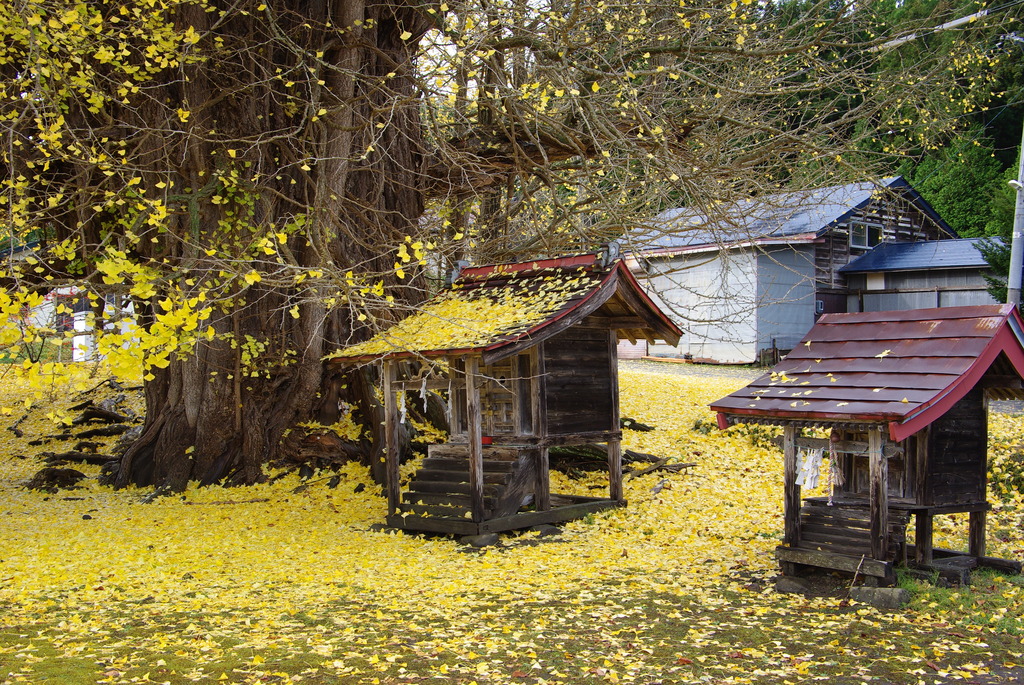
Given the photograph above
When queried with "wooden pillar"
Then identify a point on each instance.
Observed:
(923, 524)
(539, 410)
(476, 450)
(879, 494)
(615, 470)
(976, 533)
(976, 522)
(922, 495)
(393, 439)
(791, 503)
(615, 444)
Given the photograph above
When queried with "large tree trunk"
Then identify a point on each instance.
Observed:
(219, 414)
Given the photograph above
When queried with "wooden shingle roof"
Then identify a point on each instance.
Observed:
(500, 309)
(904, 368)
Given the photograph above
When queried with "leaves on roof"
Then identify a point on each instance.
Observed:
(475, 315)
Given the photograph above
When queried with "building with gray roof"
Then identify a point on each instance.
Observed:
(941, 273)
(746, 281)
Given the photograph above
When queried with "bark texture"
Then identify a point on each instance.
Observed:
(317, 101)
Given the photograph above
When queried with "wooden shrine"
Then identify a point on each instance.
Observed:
(902, 397)
(525, 355)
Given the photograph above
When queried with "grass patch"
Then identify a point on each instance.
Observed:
(610, 633)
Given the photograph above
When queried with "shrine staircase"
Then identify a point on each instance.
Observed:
(440, 489)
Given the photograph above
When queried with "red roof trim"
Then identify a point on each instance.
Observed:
(603, 286)
(568, 311)
(476, 273)
(1001, 332)
(631, 279)
(1005, 341)
(620, 271)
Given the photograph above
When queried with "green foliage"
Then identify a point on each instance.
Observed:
(965, 606)
(999, 228)
(960, 181)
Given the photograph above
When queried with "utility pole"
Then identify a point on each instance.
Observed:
(1013, 279)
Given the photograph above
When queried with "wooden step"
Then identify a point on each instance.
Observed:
(492, 452)
(462, 487)
(435, 510)
(441, 488)
(449, 498)
(450, 464)
(432, 475)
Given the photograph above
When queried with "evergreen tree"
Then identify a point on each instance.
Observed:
(960, 181)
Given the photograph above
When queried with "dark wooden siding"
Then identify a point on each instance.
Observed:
(578, 367)
(957, 453)
(856, 469)
(899, 220)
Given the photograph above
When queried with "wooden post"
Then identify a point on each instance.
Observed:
(976, 522)
(476, 450)
(923, 523)
(614, 445)
(393, 439)
(539, 411)
(976, 533)
(615, 470)
(791, 503)
(878, 467)
(921, 473)
(522, 404)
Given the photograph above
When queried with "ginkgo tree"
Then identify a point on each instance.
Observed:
(264, 181)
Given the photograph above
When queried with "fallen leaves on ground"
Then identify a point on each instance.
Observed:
(265, 584)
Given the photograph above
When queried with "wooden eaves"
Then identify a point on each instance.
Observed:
(903, 369)
(599, 284)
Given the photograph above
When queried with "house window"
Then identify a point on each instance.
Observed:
(865, 235)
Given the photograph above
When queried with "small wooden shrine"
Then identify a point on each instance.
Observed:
(902, 396)
(525, 355)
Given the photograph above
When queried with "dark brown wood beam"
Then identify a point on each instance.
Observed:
(393, 437)
(879, 495)
(539, 412)
(617, 322)
(1002, 382)
(614, 445)
(858, 447)
(976, 533)
(791, 497)
(476, 454)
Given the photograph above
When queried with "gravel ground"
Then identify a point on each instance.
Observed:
(687, 369)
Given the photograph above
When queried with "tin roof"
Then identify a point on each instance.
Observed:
(793, 215)
(500, 309)
(962, 253)
(904, 368)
